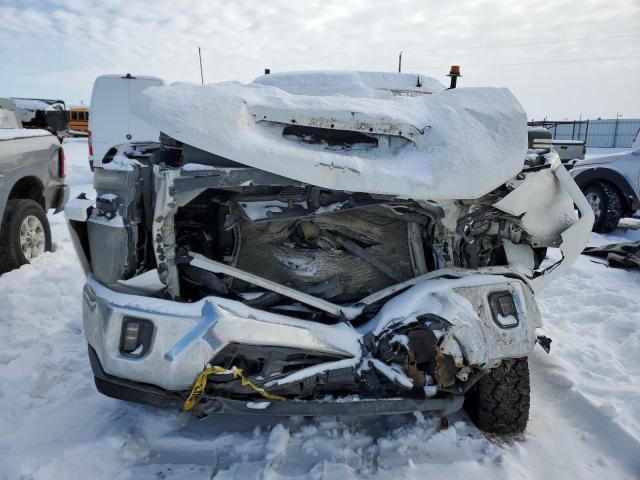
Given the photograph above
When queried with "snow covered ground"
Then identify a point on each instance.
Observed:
(585, 419)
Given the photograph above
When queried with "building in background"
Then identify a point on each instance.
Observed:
(603, 132)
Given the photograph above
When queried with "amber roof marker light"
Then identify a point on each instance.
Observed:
(454, 73)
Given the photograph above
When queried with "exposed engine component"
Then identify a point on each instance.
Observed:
(339, 255)
(332, 245)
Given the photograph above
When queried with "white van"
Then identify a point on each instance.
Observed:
(111, 122)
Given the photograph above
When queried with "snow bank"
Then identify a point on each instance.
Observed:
(468, 141)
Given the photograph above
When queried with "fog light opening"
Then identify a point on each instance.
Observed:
(503, 309)
(135, 339)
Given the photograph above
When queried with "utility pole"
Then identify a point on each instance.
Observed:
(201, 74)
(615, 130)
(400, 63)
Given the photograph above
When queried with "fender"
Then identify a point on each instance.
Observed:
(30, 182)
(591, 175)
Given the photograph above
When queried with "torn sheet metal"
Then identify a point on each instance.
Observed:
(618, 255)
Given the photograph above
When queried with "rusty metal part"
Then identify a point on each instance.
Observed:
(446, 370)
(413, 372)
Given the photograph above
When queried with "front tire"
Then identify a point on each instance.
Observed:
(24, 234)
(499, 402)
(606, 205)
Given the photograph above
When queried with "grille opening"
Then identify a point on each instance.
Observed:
(341, 139)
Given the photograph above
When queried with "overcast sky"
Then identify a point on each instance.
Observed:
(561, 58)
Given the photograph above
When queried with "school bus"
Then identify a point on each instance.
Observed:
(79, 119)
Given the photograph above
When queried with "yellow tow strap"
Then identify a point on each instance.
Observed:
(201, 382)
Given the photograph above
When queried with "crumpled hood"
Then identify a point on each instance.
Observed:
(453, 144)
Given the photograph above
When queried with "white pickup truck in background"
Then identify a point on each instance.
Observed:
(31, 182)
(569, 151)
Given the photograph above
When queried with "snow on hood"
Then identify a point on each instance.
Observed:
(35, 104)
(14, 133)
(352, 84)
(466, 141)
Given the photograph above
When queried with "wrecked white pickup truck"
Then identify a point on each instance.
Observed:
(325, 243)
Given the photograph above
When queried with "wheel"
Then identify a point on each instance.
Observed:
(499, 402)
(606, 205)
(24, 234)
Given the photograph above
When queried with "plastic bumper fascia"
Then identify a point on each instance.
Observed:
(187, 336)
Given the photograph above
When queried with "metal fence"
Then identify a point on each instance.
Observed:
(605, 133)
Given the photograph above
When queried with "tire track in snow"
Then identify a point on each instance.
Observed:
(571, 434)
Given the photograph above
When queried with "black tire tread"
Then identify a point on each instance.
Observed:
(612, 206)
(10, 255)
(499, 402)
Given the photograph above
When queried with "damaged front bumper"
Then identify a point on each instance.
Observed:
(138, 392)
(457, 311)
